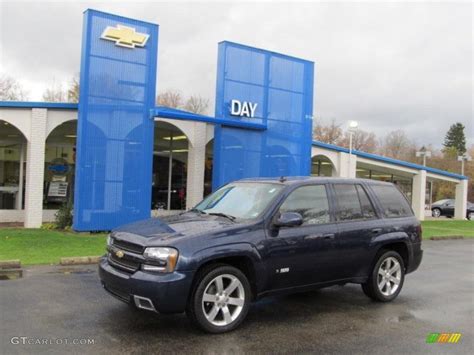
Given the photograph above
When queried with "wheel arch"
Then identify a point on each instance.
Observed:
(247, 260)
(399, 246)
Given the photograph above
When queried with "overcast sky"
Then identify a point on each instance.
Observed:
(386, 65)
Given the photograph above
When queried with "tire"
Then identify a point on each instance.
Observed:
(470, 216)
(383, 287)
(436, 212)
(224, 311)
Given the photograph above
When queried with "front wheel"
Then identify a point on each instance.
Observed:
(220, 300)
(387, 277)
(470, 216)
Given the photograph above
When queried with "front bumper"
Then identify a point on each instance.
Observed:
(168, 293)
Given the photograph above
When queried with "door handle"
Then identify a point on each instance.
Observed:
(329, 236)
(376, 230)
(320, 236)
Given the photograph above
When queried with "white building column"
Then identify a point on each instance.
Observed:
(347, 164)
(196, 165)
(460, 203)
(19, 195)
(35, 169)
(419, 195)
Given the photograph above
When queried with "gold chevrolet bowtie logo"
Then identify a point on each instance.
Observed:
(124, 36)
(119, 254)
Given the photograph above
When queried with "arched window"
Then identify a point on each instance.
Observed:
(60, 165)
(321, 166)
(12, 167)
(208, 167)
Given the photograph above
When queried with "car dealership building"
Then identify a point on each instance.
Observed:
(120, 158)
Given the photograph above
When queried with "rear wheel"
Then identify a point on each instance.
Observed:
(387, 277)
(220, 300)
(436, 212)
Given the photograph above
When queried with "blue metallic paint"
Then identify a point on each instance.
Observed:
(314, 262)
(282, 88)
(115, 132)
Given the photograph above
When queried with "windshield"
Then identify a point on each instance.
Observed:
(241, 200)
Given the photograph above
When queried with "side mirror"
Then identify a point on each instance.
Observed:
(289, 219)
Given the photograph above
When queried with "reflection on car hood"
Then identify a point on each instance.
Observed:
(186, 224)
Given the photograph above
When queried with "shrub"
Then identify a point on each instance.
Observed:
(48, 226)
(63, 218)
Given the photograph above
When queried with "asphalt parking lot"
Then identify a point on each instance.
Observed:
(69, 303)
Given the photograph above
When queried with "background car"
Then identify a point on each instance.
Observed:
(446, 208)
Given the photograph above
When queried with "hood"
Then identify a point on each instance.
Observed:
(172, 228)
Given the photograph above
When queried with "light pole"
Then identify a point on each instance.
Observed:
(462, 159)
(426, 154)
(353, 125)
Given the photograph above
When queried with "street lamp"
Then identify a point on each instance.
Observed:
(353, 125)
(426, 154)
(462, 159)
(423, 153)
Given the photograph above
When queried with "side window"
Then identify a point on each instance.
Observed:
(309, 201)
(394, 204)
(367, 208)
(349, 207)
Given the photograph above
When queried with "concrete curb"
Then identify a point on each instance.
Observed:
(80, 260)
(448, 237)
(10, 269)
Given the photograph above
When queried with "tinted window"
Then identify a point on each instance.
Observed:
(367, 208)
(309, 201)
(393, 202)
(348, 203)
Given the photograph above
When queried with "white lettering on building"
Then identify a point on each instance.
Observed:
(244, 108)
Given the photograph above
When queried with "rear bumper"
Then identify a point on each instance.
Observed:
(168, 293)
(415, 260)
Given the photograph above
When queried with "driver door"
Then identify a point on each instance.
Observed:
(302, 255)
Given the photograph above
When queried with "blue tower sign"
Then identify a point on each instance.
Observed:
(258, 86)
(115, 130)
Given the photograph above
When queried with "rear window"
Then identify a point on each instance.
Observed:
(393, 203)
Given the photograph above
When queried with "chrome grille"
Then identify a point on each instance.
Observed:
(125, 263)
(127, 246)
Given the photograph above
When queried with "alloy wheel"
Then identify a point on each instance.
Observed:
(389, 276)
(223, 300)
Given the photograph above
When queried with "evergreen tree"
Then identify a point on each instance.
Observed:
(455, 138)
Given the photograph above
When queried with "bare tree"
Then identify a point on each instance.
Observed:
(55, 93)
(73, 91)
(331, 134)
(397, 145)
(11, 89)
(196, 104)
(361, 140)
(170, 98)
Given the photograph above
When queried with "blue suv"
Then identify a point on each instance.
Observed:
(259, 237)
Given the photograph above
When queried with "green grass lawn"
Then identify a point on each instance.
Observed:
(39, 246)
(447, 227)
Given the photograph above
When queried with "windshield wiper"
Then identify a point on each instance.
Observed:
(197, 210)
(220, 214)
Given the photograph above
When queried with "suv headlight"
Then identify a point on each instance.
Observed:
(160, 259)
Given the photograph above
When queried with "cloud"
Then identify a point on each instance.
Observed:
(387, 65)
